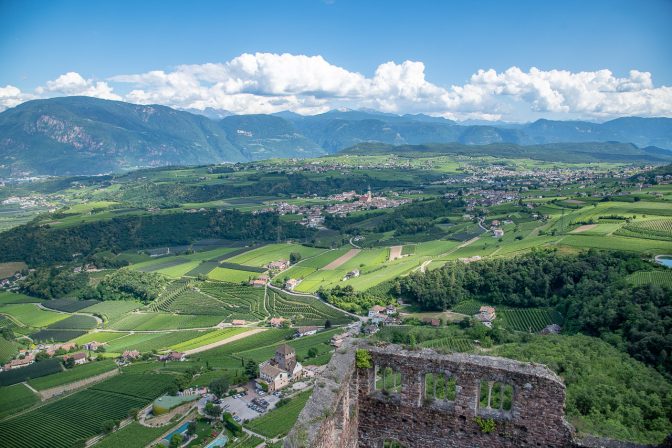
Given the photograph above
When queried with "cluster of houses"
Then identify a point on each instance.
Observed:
(26, 357)
(381, 315)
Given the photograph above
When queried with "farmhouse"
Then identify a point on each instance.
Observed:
(375, 310)
(237, 322)
(486, 314)
(352, 274)
(277, 372)
(129, 355)
(173, 356)
(390, 309)
(277, 321)
(259, 282)
(93, 345)
(498, 233)
(291, 284)
(79, 357)
(279, 265)
(18, 363)
(305, 331)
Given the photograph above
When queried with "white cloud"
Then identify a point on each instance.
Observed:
(72, 83)
(267, 82)
(11, 96)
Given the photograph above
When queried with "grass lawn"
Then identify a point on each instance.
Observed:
(11, 297)
(273, 252)
(112, 309)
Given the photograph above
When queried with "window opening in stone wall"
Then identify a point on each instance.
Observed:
(387, 380)
(439, 386)
(496, 396)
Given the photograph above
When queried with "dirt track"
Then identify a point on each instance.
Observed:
(341, 260)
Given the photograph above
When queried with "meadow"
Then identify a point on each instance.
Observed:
(278, 422)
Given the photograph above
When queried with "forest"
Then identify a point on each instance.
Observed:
(42, 245)
(589, 289)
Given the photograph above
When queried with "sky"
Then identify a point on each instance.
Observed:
(510, 60)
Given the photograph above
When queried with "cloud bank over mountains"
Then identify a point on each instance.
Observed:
(267, 83)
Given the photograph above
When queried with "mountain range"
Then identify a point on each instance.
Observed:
(83, 135)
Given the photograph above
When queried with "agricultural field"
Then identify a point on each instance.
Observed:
(80, 416)
(207, 338)
(112, 309)
(320, 341)
(657, 229)
(272, 252)
(134, 435)
(35, 370)
(145, 342)
(30, 315)
(163, 321)
(74, 322)
(16, 398)
(231, 275)
(7, 350)
(68, 305)
(7, 297)
(517, 319)
(460, 345)
(71, 375)
(279, 421)
(660, 278)
(46, 335)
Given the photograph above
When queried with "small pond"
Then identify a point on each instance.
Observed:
(665, 260)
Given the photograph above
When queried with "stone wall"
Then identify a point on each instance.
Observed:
(350, 407)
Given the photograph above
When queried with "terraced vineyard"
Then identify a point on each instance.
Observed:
(80, 416)
(303, 310)
(659, 278)
(163, 321)
(242, 302)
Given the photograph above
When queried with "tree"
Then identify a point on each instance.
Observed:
(191, 428)
(69, 363)
(294, 257)
(107, 426)
(212, 410)
(219, 387)
(176, 440)
(133, 413)
(251, 369)
(327, 324)
(312, 352)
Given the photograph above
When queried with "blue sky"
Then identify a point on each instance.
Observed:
(99, 41)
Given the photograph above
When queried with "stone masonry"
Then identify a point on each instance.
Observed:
(355, 407)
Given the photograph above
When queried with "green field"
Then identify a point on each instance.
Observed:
(279, 421)
(16, 398)
(145, 342)
(11, 297)
(231, 275)
(273, 252)
(7, 350)
(207, 338)
(112, 309)
(134, 435)
(163, 321)
(30, 315)
(71, 375)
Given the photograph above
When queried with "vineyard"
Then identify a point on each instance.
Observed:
(208, 338)
(278, 422)
(657, 229)
(7, 350)
(71, 375)
(35, 370)
(303, 310)
(56, 335)
(15, 398)
(68, 305)
(529, 319)
(80, 416)
(163, 321)
(658, 278)
(76, 322)
(145, 342)
(449, 344)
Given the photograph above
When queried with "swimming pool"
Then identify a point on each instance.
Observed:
(219, 441)
(181, 430)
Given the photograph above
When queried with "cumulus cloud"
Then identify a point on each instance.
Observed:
(72, 83)
(268, 82)
(11, 96)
